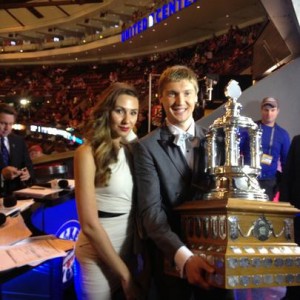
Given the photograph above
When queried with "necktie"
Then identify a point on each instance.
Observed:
(4, 151)
(189, 140)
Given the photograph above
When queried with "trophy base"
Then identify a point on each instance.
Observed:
(249, 243)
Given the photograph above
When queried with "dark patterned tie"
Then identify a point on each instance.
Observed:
(4, 151)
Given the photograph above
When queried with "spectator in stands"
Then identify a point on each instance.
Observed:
(48, 147)
(35, 151)
(60, 147)
(57, 93)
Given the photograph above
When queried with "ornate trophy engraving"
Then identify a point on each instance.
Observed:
(232, 177)
(248, 240)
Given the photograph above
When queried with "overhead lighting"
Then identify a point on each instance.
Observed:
(24, 102)
(273, 68)
(19, 127)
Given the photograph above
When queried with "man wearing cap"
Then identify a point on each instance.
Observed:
(35, 151)
(275, 145)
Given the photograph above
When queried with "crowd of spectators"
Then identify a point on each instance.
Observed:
(63, 96)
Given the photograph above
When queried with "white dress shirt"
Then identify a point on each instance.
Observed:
(184, 147)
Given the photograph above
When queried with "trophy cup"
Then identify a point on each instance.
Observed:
(248, 240)
(231, 177)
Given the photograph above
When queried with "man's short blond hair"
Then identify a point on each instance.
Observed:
(177, 73)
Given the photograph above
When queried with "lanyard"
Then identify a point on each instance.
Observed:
(271, 139)
(272, 136)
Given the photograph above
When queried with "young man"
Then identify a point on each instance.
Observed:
(15, 164)
(169, 170)
(275, 145)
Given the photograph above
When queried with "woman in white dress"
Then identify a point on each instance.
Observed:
(104, 197)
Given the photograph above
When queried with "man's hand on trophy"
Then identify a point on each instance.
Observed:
(198, 271)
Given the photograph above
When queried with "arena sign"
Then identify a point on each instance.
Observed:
(155, 17)
(55, 131)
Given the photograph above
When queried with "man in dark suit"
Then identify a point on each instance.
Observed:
(15, 164)
(290, 192)
(169, 170)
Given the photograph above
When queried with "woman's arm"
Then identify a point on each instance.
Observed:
(84, 170)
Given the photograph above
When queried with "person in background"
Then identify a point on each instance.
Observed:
(35, 151)
(275, 143)
(47, 147)
(104, 197)
(290, 192)
(15, 163)
(59, 147)
(169, 167)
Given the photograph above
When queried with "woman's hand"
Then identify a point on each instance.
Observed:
(131, 290)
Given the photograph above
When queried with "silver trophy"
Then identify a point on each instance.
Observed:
(248, 240)
(232, 175)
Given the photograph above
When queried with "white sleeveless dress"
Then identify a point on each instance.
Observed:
(93, 279)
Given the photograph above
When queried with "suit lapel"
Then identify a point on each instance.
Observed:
(11, 146)
(12, 149)
(199, 154)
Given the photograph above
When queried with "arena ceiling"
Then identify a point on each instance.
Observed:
(89, 31)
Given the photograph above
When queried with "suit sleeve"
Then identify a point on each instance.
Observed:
(285, 149)
(22, 159)
(291, 174)
(28, 164)
(152, 214)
